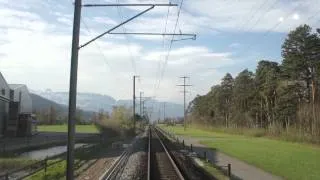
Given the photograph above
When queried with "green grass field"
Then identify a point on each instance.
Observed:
(286, 159)
(64, 128)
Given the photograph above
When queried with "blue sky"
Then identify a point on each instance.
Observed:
(35, 43)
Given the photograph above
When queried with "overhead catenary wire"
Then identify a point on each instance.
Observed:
(168, 51)
(246, 20)
(133, 63)
(313, 16)
(97, 45)
(272, 28)
(104, 58)
(163, 47)
(253, 14)
(198, 24)
(170, 45)
(263, 14)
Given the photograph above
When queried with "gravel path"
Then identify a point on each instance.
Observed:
(239, 168)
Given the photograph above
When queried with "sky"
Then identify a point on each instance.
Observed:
(35, 43)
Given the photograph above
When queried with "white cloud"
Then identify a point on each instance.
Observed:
(230, 16)
(234, 45)
(43, 60)
(295, 16)
(64, 20)
(35, 49)
(281, 19)
(104, 20)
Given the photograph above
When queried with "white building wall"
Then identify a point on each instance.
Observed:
(26, 101)
(4, 86)
(4, 103)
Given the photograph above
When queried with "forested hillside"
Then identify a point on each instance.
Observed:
(276, 97)
(49, 112)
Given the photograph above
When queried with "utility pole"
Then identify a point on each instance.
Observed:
(184, 99)
(164, 111)
(140, 102)
(159, 116)
(143, 107)
(134, 102)
(73, 88)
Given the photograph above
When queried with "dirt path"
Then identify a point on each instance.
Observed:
(239, 169)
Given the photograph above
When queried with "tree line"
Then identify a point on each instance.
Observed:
(277, 96)
(51, 116)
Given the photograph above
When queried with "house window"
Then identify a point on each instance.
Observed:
(3, 92)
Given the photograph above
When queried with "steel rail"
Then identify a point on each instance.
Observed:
(149, 153)
(119, 163)
(114, 167)
(175, 167)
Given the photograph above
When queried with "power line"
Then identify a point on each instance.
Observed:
(117, 26)
(169, 49)
(246, 20)
(313, 16)
(262, 15)
(163, 46)
(201, 25)
(98, 46)
(272, 28)
(128, 41)
(170, 46)
(260, 7)
(104, 57)
(95, 42)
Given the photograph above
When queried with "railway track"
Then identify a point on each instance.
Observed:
(160, 163)
(154, 161)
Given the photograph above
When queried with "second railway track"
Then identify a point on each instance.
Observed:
(160, 163)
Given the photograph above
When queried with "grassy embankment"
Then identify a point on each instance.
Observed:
(58, 170)
(64, 128)
(10, 161)
(287, 159)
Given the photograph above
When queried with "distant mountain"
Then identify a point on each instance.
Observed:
(40, 103)
(95, 102)
(85, 101)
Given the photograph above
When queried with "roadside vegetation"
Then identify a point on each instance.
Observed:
(286, 159)
(119, 122)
